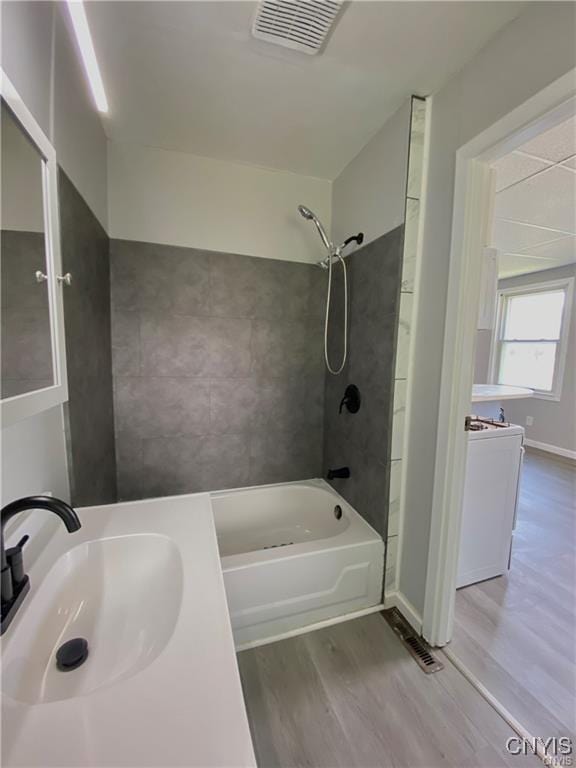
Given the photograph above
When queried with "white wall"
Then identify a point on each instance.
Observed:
(369, 195)
(174, 198)
(482, 356)
(531, 52)
(39, 58)
(32, 452)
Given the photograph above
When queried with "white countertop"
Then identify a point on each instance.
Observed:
(186, 706)
(483, 393)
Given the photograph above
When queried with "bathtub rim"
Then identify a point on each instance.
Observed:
(358, 532)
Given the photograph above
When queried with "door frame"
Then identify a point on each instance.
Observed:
(470, 228)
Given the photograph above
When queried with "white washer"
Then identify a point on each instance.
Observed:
(491, 488)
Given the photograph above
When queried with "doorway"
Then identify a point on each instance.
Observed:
(515, 613)
(472, 232)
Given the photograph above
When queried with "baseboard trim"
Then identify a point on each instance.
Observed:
(310, 627)
(504, 713)
(398, 600)
(564, 452)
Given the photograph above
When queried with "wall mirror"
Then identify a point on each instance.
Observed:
(26, 339)
(32, 370)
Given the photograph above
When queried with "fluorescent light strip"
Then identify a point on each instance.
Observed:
(80, 24)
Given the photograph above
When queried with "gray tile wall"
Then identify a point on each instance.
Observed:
(218, 369)
(361, 441)
(89, 411)
(25, 329)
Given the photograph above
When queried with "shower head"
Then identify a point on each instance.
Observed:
(306, 213)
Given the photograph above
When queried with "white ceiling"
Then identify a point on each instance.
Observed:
(535, 210)
(188, 76)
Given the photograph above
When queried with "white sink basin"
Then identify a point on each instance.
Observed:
(121, 594)
(142, 583)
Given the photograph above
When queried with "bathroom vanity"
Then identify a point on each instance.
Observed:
(141, 582)
(160, 593)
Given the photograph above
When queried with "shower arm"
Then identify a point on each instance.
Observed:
(336, 251)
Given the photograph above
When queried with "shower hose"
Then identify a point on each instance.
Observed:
(336, 371)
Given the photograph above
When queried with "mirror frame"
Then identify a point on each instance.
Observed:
(19, 407)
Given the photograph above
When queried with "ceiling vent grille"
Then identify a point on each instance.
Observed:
(302, 25)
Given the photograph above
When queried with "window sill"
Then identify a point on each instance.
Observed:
(551, 396)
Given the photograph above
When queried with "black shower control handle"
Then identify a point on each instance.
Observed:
(351, 399)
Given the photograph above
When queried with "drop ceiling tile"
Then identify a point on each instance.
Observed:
(508, 236)
(556, 144)
(563, 250)
(511, 264)
(547, 200)
(514, 167)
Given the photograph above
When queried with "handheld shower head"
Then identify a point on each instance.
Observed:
(334, 254)
(306, 213)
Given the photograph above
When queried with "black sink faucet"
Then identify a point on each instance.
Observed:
(15, 583)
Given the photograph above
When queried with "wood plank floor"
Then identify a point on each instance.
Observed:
(517, 633)
(350, 695)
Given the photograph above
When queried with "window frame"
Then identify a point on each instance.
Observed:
(567, 285)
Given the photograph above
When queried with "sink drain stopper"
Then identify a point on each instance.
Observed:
(72, 654)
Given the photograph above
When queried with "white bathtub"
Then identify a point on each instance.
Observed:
(289, 562)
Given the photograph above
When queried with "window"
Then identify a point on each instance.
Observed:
(531, 337)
